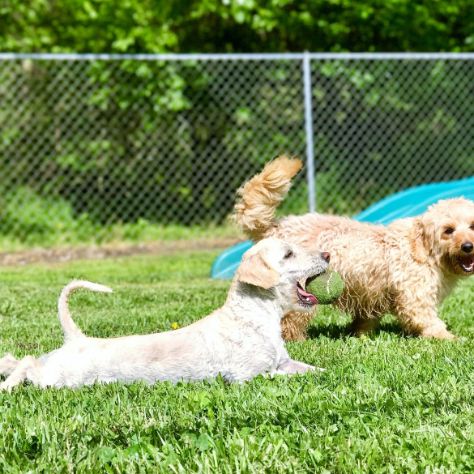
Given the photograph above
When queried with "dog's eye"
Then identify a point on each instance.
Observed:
(472, 227)
(449, 230)
(289, 254)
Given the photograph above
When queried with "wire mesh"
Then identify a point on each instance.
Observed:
(384, 125)
(87, 143)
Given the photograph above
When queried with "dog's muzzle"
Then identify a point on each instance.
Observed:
(466, 262)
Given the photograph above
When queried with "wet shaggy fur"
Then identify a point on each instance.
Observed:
(406, 268)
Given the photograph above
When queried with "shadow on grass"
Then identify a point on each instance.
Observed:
(332, 331)
(341, 331)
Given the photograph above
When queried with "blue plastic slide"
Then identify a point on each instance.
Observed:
(408, 203)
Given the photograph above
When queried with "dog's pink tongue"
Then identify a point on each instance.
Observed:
(310, 298)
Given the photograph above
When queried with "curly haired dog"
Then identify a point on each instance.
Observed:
(406, 268)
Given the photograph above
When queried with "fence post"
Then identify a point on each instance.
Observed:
(308, 118)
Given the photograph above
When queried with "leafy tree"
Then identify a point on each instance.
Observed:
(129, 103)
(138, 26)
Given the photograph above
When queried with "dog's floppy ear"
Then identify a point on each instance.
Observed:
(421, 239)
(256, 271)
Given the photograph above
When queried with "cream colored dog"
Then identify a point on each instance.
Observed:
(239, 341)
(406, 269)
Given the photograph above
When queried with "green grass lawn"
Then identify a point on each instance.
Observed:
(385, 404)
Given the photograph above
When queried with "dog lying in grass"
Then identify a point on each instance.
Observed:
(406, 268)
(238, 341)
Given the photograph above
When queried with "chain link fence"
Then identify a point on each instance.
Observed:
(93, 144)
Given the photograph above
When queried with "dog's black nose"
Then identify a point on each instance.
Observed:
(327, 256)
(467, 247)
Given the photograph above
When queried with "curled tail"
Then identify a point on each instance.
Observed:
(69, 327)
(258, 198)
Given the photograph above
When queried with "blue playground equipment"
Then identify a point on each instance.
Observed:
(407, 203)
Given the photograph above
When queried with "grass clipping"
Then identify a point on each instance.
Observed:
(327, 288)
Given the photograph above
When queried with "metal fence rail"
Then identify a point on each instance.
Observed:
(87, 141)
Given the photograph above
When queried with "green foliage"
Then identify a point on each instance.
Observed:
(105, 174)
(43, 220)
(105, 144)
(48, 222)
(407, 132)
(387, 403)
(250, 25)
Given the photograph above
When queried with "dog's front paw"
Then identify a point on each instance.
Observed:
(290, 367)
(5, 387)
(438, 333)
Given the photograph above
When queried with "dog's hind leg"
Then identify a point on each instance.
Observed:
(25, 369)
(8, 364)
(363, 325)
(294, 326)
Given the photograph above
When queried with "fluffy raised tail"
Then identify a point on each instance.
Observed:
(258, 198)
(69, 327)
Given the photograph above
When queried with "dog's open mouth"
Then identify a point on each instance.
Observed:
(306, 298)
(466, 263)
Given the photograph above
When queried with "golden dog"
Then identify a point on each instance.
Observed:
(406, 268)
